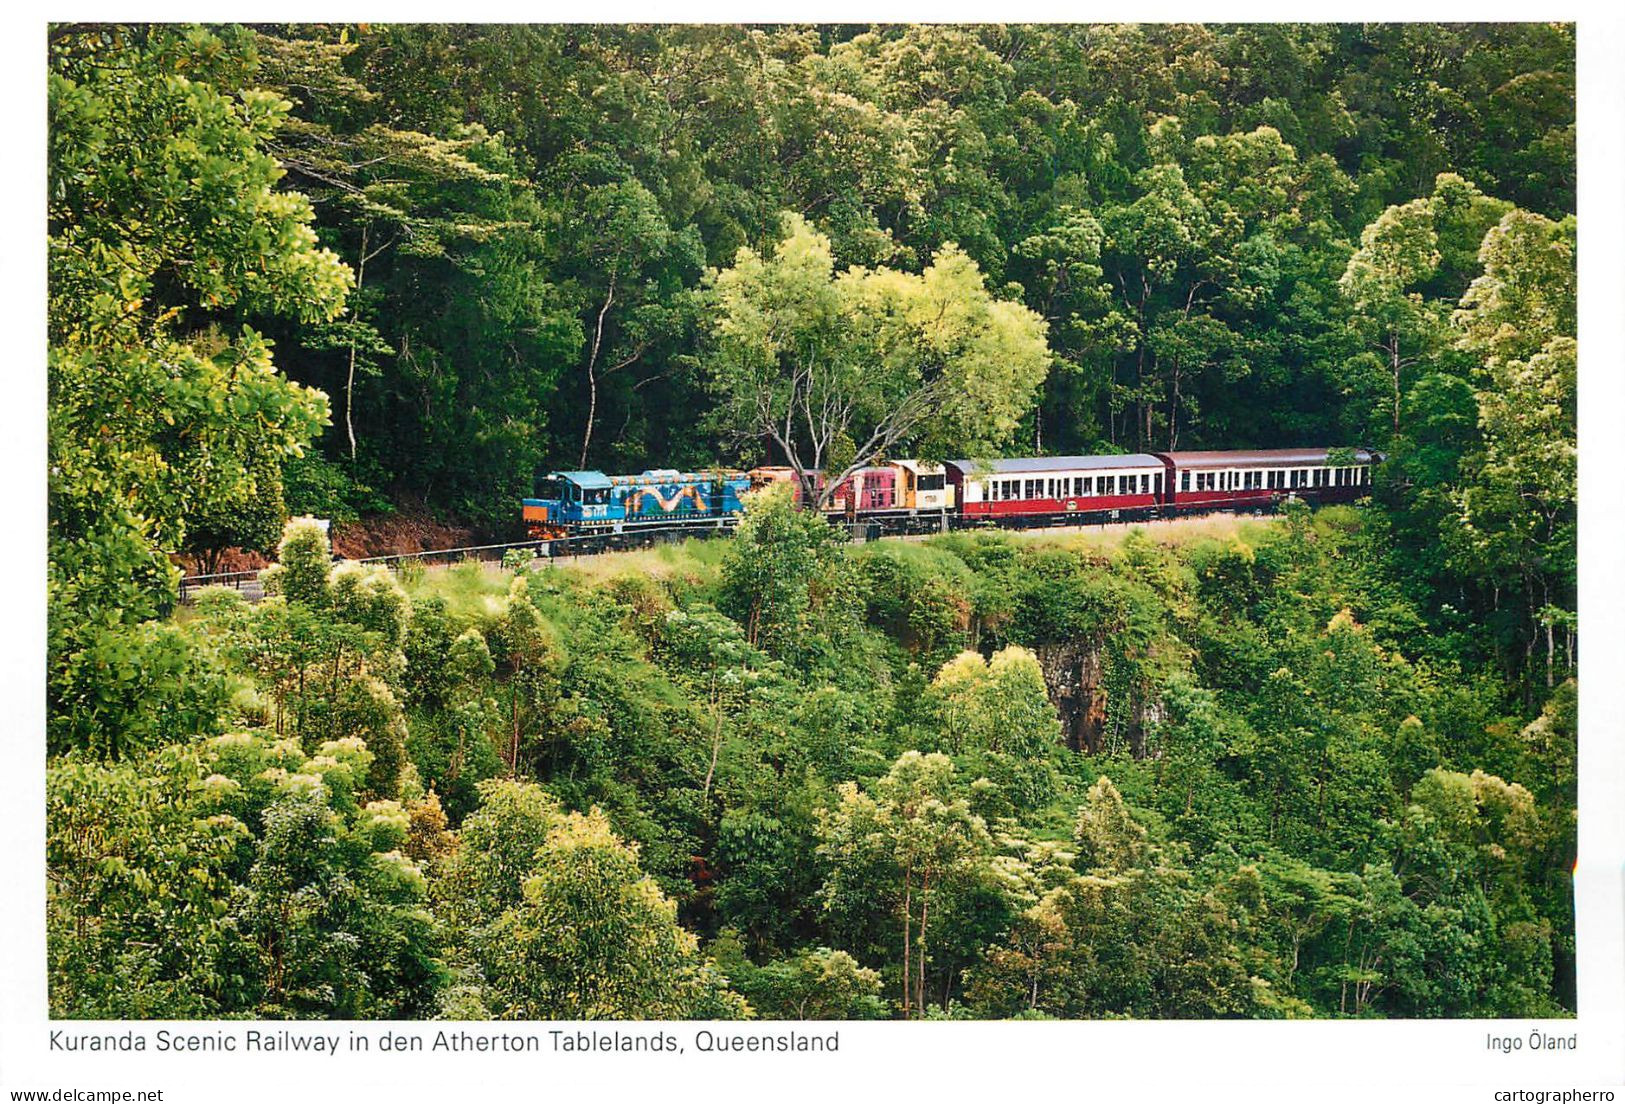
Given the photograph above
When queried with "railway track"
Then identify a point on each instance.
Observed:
(564, 550)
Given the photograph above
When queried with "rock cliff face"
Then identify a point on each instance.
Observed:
(1098, 712)
(1072, 674)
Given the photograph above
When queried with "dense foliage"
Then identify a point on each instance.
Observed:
(989, 776)
(1323, 767)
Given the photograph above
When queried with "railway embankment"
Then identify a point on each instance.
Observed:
(1105, 535)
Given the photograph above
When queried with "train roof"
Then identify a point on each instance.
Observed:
(592, 479)
(1056, 463)
(664, 476)
(1263, 458)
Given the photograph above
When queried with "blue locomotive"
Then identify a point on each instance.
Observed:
(580, 502)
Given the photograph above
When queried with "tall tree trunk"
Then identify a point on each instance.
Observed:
(1173, 412)
(919, 958)
(1394, 364)
(592, 368)
(716, 737)
(908, 912)
(513, 746)
(349, 379)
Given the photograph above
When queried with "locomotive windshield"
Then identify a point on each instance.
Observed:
(931, 482)
(595, 496)
(549, 489)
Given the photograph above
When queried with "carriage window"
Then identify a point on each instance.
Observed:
(1145, 484)
(1185, 481)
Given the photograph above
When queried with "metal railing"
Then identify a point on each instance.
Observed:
(237, 580)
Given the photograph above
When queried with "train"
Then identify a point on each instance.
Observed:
(914, 496)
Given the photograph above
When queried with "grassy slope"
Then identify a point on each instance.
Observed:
(471, 588)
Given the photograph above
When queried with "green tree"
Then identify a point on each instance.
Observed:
(913, 832)
(1517, 498)
(1401, 254)
(163, 218)
(837, 371)
(563, 923)
(782, 577)
(236, 876)
(997, 714)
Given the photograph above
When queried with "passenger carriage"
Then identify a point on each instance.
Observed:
(1049, 489)
(1260, 478)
